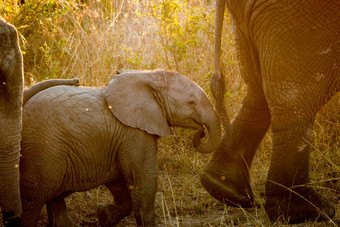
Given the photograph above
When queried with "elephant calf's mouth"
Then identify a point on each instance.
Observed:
(200, 137)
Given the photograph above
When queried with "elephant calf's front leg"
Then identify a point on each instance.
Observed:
(110, 215)
(143, 199)
(140, 173)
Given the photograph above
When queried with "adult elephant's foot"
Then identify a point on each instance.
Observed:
(228, 182)
(110, 215)
(299, 206)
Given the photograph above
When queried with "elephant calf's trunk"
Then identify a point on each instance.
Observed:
(214, 137)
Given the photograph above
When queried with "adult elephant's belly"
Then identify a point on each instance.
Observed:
(67, 141)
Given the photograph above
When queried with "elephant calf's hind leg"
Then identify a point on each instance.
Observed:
(31, 213)
(58, 214)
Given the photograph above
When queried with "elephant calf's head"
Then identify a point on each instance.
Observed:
(155, 100)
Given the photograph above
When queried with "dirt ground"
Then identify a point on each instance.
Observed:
(82, 207)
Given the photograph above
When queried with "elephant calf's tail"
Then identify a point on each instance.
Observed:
(34, 89)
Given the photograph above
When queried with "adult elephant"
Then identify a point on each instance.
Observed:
(289, 57)
(11, 100)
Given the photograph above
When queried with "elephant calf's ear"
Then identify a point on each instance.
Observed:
(132, 102)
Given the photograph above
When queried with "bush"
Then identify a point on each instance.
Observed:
(92, 39)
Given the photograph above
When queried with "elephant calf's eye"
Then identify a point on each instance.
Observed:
(192, 103)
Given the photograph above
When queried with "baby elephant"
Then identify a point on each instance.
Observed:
(77, 138)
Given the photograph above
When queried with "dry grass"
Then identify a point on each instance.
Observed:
(93, 41)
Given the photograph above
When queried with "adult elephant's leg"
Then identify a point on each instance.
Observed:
(58, 215)
(287, 190)
(11, 85)
(226, 177)
(110, 215)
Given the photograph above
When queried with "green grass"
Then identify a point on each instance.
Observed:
(67, 39)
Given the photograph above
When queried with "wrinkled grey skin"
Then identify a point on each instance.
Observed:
(11, 95)
(11, 89)
(75, 139)
(289, 57)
